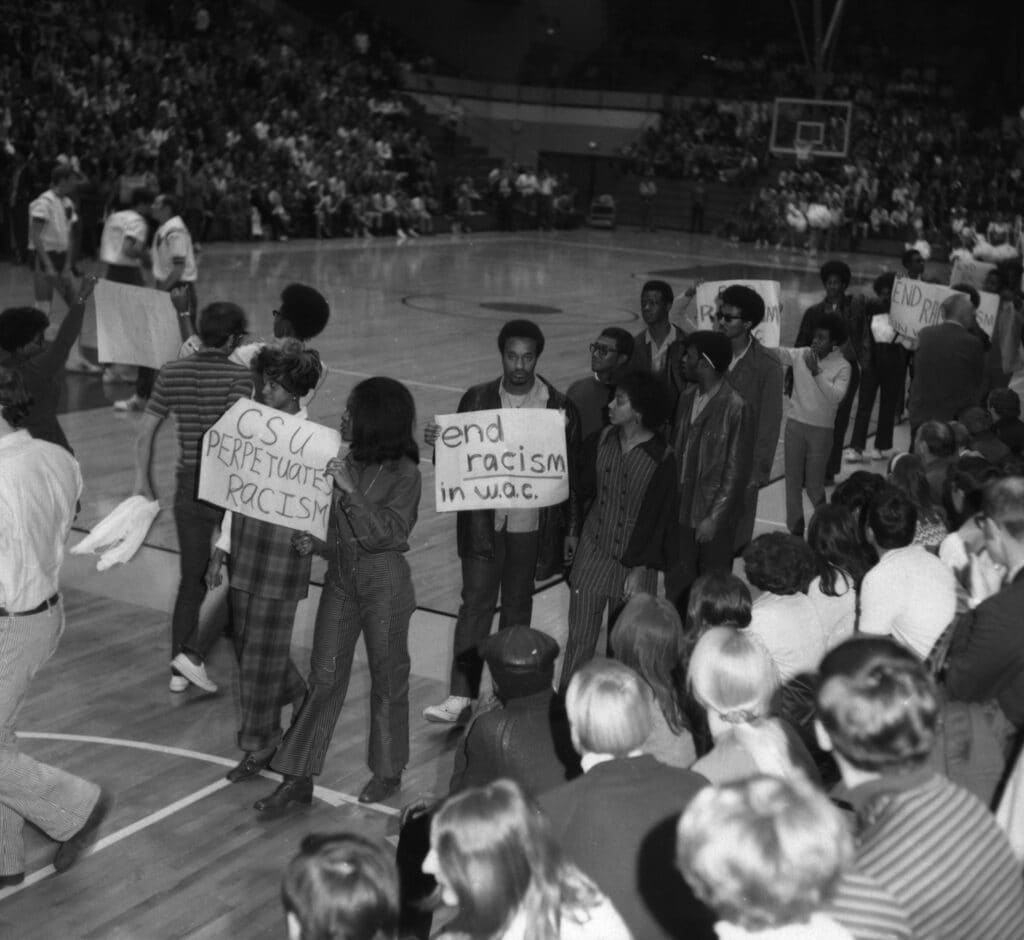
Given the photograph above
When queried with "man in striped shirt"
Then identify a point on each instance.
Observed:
(197, 391)
(932, 844)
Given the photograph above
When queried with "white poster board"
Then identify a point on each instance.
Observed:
(970, 271)
(915, 305)
(269, 465)
(767, 331)
(988, 309)
(135, 326)
(505, 458)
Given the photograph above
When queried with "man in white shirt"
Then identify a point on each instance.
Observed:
(175, 271)
(821, 375)
(123, 247)
(39, 488)
(51, 215)
(910, 594)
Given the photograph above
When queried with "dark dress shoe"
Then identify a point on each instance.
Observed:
(69, 851)
(290, 790)
(379, 789)
(248, 767)
(9, 881)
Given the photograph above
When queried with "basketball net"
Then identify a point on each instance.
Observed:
(803, 151)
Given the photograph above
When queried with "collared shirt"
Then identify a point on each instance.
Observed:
(658, 352)
(40, 483)
(520, 520)
(171, 243)
(746, 349)
(57, 213)
(700, 401)
(119, 227)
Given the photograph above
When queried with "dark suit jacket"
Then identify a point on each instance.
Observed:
(758, 378)
(617, 823)
(671, 377)
(949, 373)
(986, 658)
(714, 455)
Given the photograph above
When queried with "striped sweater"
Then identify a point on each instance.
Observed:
(940, 852)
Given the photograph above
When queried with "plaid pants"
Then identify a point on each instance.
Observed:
(268, 679)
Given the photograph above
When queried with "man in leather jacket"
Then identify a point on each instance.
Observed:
(505, 551)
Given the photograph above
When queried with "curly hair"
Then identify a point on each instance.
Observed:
(838, 269)
(748, 301)
(892, 517)
(19, 326)
(15, 401)
(647, 397)
(291, 365)
(521, 329)
(780, 563)
(383, 414)
(306, 309)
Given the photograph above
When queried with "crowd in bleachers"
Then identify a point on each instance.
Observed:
(256, 126)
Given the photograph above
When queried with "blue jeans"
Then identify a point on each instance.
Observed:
(511, 572)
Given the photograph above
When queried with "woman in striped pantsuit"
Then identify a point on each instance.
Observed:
(629, 473)
(367, 590)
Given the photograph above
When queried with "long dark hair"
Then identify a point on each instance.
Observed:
(383, 415)
(834, 537)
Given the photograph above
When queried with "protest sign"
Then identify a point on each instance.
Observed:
(505, 458)
(767, 331)
(987, 311)
(970, 271)
(135, 326)
(269, 465)
(915, 305)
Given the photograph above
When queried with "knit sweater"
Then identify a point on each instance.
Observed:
(816, 398)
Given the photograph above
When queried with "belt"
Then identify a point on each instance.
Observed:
(38, 609)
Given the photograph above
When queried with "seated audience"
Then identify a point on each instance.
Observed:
(718, 599)
(856, 493)
(931, 843)
(935, 444)
(341, 887)
(909, 595)
(964, 550)
(983, 438)
(906, 473)
(525, 735)
(784, 619)
(648, 637)
(986, 659)
(766, 855)
(500, 870)
(732, 676)
(843, 559)
(617, 821)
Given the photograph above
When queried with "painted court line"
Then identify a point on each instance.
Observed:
(331, 797)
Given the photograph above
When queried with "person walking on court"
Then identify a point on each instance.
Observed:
(40, 484)
(368, 590)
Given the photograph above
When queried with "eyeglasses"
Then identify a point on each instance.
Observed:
(603, 350)
(727, 317)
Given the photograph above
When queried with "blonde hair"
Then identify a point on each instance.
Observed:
(609, 708)
(732, 674)
(762, 852)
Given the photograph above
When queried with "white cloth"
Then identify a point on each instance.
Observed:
(40, 484)
(838, 615)
(788, 626)
(910, 595)
(172, 241)
(120, 534)
(57, 213)
(819, 927)
(121, 226)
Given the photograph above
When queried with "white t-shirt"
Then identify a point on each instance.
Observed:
(789, 627)
(173, 241)
(838, 615)
(911, 595)
(121, 225)
(57, 213)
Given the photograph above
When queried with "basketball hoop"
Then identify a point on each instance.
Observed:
(803, 149)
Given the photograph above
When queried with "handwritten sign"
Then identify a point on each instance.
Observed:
(916, 304)
(988, 310)
(135, 325)
(970, 271)
(269, 465)
(505, 458)
(767, 331)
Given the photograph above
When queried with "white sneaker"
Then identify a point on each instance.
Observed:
(449, 711)
(850, 455)
(130, 404)
(193, 672)
(875, 454)
(178, 683)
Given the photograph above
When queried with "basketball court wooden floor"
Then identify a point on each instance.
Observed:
(182, 854)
